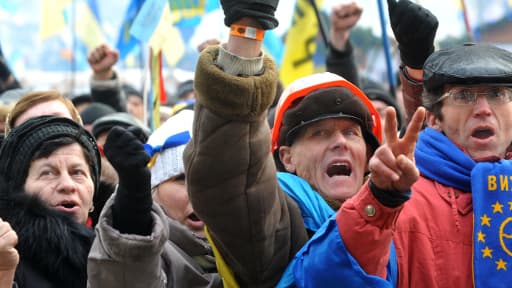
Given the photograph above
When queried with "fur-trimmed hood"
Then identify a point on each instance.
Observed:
(53, 247)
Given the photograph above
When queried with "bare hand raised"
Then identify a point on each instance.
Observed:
(101, 60)
(392, 165)
(203, 45)
(343, 18)
(9, 257)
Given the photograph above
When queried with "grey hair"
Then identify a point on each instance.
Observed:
(430, 100)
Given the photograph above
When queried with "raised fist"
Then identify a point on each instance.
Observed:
(101, 60)
(125, 151)
(415, 29)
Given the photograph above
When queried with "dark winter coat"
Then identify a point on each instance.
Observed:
(53, 247)
(255, 225)
(170, 257)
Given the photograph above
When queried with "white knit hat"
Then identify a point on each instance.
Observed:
(166, 144)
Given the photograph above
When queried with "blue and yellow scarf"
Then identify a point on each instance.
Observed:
(491, 186)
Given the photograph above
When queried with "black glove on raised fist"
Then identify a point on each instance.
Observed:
(415, 29)
(132, 204)
(260, 10)
(125, 151)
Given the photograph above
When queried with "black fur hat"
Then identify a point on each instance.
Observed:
(332, 102)
(24, 141)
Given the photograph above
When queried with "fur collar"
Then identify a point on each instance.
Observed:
(50, 243)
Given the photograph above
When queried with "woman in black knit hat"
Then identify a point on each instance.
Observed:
(49, 172)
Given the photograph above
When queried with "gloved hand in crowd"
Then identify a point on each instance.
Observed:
(260, 10)
(132, 204)
(415, 29)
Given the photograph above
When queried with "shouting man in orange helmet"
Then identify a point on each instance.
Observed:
(325, 130)
(324, 133)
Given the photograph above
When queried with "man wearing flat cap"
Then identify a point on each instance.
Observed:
(438, 217)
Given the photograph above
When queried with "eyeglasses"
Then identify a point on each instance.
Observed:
(468, 96)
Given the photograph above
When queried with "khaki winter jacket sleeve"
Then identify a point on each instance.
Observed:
(163, 259)
(231, 175)
(125, 260)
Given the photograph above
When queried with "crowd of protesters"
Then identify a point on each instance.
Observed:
(347, 186)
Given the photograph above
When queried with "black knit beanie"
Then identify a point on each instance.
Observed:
(25, 140)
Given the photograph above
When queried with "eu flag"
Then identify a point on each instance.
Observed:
(491, 185)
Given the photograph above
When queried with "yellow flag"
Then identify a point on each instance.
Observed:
(160, 35)
(52, 18)
(174, 49)
(300, 43)
(167, 38)
(87, 27)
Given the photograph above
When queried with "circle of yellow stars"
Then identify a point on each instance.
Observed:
(486, 221)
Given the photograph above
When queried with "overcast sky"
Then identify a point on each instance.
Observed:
(448, 12)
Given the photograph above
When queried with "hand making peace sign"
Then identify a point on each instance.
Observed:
(392, 165)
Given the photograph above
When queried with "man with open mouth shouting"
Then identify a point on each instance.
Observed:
(325, 130)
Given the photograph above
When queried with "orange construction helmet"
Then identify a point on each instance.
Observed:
(322, 96)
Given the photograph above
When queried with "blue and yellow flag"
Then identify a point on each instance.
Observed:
(152, 25)
(186, 9)
(9, 7)
(53, 20)
(126, 42)
(93, 6)
(492, 229)
(185, 17)
(88, 25)
(300, 43)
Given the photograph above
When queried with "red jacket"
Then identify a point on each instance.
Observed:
(432, 233)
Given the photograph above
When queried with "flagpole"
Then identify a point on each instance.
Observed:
(73, 44)
(387, 50)
(146, 84)
(467, 25)
(320, 23)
